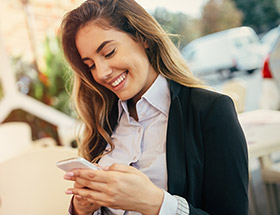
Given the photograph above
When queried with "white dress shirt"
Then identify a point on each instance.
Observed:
(142, 143)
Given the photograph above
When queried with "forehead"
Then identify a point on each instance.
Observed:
(94, 34)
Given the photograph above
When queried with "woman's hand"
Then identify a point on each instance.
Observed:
(81, 205)
(119, 187)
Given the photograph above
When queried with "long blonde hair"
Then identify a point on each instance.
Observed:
(95, 103)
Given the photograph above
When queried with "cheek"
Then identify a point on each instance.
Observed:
(99, 82)
(94, 76)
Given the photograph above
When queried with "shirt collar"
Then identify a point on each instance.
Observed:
(158, 95)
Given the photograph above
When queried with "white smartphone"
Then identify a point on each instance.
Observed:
(75, 163)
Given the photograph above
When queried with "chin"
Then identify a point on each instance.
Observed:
(124, 97)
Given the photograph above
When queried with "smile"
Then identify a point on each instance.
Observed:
(119, 80)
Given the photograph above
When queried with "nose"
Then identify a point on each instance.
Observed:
(103, 70)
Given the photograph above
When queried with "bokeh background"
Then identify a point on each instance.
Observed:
(35, 80)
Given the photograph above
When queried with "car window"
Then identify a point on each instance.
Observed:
(275, 53)
(243, 41)
(189, 53)
(270, 36)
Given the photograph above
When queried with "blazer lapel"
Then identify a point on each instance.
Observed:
(175, 147)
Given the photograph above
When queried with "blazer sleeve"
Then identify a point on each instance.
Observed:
(225, 183)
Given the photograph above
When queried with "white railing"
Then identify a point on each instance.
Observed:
(13, 99)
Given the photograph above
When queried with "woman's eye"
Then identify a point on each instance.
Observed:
(111, 53)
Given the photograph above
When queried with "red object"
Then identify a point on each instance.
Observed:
(266, 70)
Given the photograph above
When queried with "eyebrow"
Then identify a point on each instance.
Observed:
(99, 48)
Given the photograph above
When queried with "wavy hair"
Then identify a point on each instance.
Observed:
(94, 103)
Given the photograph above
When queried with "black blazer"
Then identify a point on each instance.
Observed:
(207, 159)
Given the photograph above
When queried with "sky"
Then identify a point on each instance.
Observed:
(189, 7)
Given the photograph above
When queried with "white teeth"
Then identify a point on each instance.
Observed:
(119, 80)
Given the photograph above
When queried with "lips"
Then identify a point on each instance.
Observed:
(120, 79)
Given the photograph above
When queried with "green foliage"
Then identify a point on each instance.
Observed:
(52, 84)
(48, 86)
(217, 15)
(220, 15)
(261, 15)
(179, 25)
(27, 78)
(58, 76)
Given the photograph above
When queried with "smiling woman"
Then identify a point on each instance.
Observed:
(165, 144)
(112, 64)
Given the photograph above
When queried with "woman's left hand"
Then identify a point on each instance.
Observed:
(118, 186)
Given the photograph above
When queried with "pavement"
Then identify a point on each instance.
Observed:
(261, 207)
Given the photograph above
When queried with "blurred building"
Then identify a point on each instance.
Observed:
(24, 20)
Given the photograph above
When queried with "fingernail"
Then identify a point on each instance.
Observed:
(69, 192)
(78, 197)
(70, 174)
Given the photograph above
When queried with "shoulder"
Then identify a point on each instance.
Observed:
(201, 94)
(201, 99)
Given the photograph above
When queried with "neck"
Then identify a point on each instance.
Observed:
(132, 109)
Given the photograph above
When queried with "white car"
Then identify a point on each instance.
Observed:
(270, 96)
(229, 50)
(269, 38)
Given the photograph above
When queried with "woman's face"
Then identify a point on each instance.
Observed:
(116, 61)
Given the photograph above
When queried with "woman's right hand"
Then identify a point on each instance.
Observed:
(81, 205)
(119, 187)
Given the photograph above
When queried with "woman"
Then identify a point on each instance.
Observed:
(166, 144)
